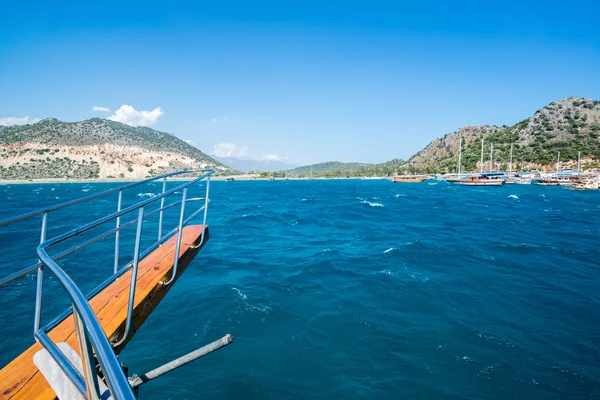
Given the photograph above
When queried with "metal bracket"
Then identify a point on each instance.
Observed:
(136, 381)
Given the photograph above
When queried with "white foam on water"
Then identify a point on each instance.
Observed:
(260, 308)
(239, 292)
(83, 190)
(513, 196)
(145, 194)
(389, 250)
(386, 272)
(372, 204)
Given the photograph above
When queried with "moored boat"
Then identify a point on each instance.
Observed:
(562, 177)
(409, 178)
(566, 177)
(455, 178)
(485, 179)
(474, 181)
(522, 178)
(555, 181)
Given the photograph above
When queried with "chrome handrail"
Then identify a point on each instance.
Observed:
(126, 268)
(97, 195)
(121, 227)
(45, 212)
(89, 331)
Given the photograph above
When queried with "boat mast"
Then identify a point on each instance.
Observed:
(481, 168)
(459, 152)
(578, 162)
(510, 162)
(557, 162)
(491, 157)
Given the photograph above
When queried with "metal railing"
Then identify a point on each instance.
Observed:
(92, 341)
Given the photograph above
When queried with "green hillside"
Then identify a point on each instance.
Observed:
(340, 169)
(568, 126)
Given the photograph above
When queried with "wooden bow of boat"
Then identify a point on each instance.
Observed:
(99, 324)
(21, 379)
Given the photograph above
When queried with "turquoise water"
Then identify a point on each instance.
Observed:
(356, 289)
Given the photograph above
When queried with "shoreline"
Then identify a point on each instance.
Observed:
(246, 177)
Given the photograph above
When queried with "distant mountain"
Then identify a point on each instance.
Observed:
(255, 165)
(336, 168)
(570, 126)
(330, 166)
(95, 148)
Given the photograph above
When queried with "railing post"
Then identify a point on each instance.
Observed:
(117, 233)
(40, 279)
(205, 209)
(179, 234)
(136, 260)
(162, 204)
(87, 359)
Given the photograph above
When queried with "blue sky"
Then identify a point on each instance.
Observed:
(300, 81)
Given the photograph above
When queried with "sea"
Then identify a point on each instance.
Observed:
(347, 289)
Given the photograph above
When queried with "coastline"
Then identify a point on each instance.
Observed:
(245, 177)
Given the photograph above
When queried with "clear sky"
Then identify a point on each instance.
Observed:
(303, 81)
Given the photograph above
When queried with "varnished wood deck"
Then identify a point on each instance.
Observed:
(21, 379)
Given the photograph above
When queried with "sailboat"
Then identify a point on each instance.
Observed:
(564, 177)
(457, 178)
(510, 178)
(589, 182)
(490, 178)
